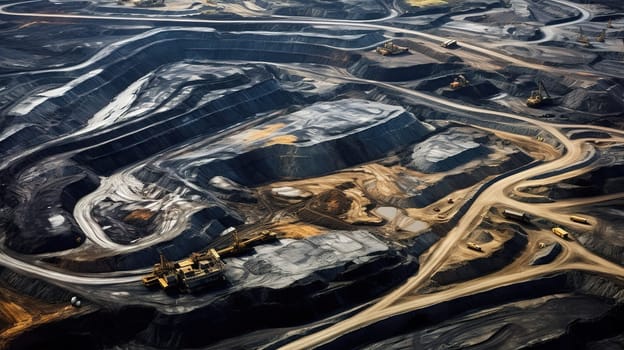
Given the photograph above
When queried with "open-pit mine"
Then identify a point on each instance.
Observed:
(348, 174)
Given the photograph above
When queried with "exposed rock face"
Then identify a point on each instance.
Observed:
(448, 149)
(280, 265)
(169, 132)
(608, 239)
(546, 254)
(317, 139)
(599, 102)
(484, 237)
(464, 153)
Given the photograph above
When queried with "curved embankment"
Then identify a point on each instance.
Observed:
(203, 228)
(43, 203)
(481, 266)
(453, 182)
(600, 181)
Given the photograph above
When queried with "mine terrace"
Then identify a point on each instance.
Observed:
(349, 174)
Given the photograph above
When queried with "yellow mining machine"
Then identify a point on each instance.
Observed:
(601, 38)
(561, 232)
(580, 219)
(390, 48)
(474, 246)
(242, 245)
(582, 38)
(200, 269)
(538, 97)
(187, 275)
(609, 24)
(459, 82)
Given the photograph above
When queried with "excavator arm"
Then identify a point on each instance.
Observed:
(543, 90)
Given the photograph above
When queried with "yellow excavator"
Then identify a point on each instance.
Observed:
(241, 245)
(538, 97)
(459, 82)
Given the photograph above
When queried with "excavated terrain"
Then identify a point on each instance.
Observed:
(130, 133)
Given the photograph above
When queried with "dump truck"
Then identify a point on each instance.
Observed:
(579, 219)
(459, 82)
(516, 215)
(449, 43)
(389, 48)
(538, 97)
(474, 246)
(561, 232)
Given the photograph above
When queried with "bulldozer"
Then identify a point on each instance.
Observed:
(459, 82)
(538, 97)
(601, 38)
(390, 48)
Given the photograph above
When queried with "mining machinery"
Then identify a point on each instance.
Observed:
(609, 24)
(459, 82)
(474, 246)
(390, 48)
(516, 215)
(538, 97)
(582, 38)
(450, 43)
(580, 220)
(561, 232)
(200, 270)
(242, 245)
(187, 275)
(601, 38)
